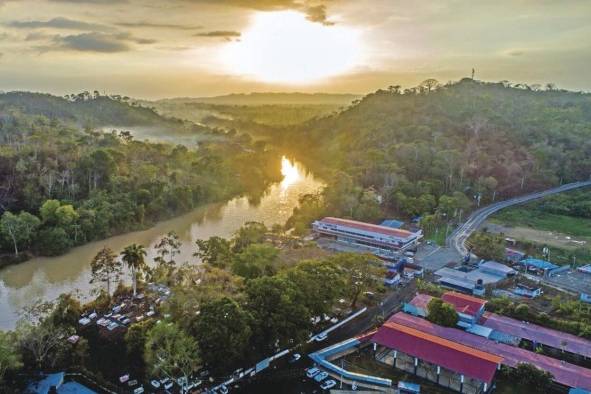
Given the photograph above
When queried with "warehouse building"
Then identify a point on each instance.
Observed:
(376, 238)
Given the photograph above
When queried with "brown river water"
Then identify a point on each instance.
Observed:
(45, 278)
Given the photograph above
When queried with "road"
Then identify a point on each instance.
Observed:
(457, 239)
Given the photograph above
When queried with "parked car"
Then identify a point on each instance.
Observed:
(321, 376)
(132, 382)
(155, 383)
(224, 389)
(139, 390)
(311, 372)
(124, 378)
(295, 357)
(168, 385)
(321, 337)
(328, 384)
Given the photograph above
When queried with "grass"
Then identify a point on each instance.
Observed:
(438, 236)
(539, 220)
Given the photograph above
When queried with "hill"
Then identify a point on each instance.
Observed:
(87, 110)
(272, 99)
(438, 149)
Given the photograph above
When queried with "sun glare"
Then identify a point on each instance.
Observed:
(290, 173)
(285, 47)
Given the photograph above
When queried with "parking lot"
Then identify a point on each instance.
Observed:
(433, 257)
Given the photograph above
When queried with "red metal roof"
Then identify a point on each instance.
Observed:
(463, 303)
(450, 355)
(368, 227)
(539, 334)
(421, 301)
(564, 373)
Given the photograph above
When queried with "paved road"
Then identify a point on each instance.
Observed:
(457, 239)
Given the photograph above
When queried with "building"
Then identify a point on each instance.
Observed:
(418, 305)
(392, 223)
(527, 291)
(375, 238)
(586, 269)
(447, 363)
(541, 266)
(494, 268)
(514, 255)
(58, 383)
(469, 309)
(564, 373)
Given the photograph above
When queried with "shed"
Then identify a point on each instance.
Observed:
(392, 223)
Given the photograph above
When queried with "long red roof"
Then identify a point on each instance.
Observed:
(450, 355)
(564, 373)
(463, 303)
(368, 227)
(539, 334)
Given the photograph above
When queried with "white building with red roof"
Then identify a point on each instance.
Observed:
(372, 236)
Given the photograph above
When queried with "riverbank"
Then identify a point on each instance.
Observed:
(45, 278)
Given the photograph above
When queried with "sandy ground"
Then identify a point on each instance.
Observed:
(543, 237)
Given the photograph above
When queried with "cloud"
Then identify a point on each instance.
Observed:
(315, 10)
(94, 42)
(143, 24)
(515, 52)
(226, 34)
(59, 23)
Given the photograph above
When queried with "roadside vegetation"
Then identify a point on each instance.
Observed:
(242, 304)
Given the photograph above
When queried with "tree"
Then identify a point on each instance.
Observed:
(133, 256)
(223, 333)
(105, 268)
(442, 313)
(168, 247)
(135, 341)
(529, 376)
(255, 260)
(361, 273)
(250, 233)
(19, 229)
(9, 357)
(487, 246)
(171, 352)
(278, 318)
(214, 251)
(53, 241)
(430, 84)
(42, 344)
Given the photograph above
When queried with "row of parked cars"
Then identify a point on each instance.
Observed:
(321, 377)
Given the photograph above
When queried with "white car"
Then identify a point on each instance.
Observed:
(295, 357)
(321, 337)
(312, 372)
(321, 376)
(139, 390)
(224, 390)
(168, 385)
(328, 384)
(155, 383)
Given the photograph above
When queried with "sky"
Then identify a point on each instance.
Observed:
(179, 48)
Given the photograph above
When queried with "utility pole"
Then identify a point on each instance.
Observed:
(494, 195)
(473, 71)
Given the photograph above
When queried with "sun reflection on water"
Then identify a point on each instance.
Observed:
(291, 173)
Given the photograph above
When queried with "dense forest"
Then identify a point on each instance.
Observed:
(438, 150)
(62, 186)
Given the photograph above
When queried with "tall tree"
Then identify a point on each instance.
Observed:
(133, 256)
(9, 357)
(171, 352)
(168, 247)
(18, 229)
(214, 251)
(105, 268)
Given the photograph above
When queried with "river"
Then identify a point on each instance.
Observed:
(45, 278)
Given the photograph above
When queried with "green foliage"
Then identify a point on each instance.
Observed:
(530, 378)
(133, 256)
(360, 273)
(18, 230)
(487, 246)
(105, 267)
(255, 260)
(442, 313)
(9, 357)
(171, 352)
(223, 333)
(249, 233)
(215, 251)
(278, 319)
(53, 241)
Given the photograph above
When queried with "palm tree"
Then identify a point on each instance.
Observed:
(133, 256)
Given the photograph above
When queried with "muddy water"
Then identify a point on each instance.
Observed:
(45, 278)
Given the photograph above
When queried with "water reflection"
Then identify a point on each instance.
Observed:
(46, 278)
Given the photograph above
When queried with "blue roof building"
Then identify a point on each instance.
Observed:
(392, 223)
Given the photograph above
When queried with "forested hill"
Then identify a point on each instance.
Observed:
(456, 141)
(272, 99)
(86, 109)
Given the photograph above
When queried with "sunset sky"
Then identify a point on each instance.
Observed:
(153, 49)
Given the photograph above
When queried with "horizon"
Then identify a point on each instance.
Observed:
(203, 48)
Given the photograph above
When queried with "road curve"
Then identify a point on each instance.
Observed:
(457, 239)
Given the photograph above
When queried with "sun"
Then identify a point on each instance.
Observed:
(285, 47)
